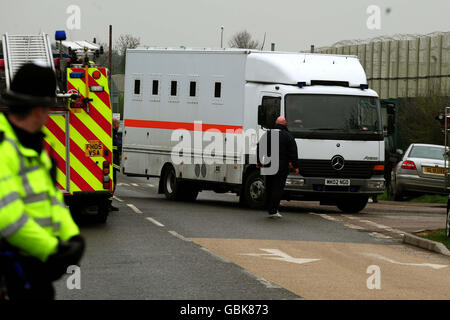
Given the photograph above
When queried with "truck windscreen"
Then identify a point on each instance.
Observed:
(339, 116)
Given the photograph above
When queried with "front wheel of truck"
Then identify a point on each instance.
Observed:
(352, 205)
(255, 191)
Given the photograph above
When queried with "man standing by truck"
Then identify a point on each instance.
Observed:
(288, 156)
(116, 156)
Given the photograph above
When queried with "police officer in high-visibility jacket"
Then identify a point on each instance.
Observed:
(38, 238)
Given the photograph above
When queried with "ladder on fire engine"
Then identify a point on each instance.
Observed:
(20, 49)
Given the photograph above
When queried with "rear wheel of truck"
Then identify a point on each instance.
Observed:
(255, 191)
(352, 205)
(170, 184)
(188, 192)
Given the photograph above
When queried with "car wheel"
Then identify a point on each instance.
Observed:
(255, 191)
(397, 194)
(393, 189)
(352, 205)
(390, 190)
(447, 225)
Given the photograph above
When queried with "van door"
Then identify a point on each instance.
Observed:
(269, 110)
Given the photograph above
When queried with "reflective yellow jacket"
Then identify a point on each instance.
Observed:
(32, 210)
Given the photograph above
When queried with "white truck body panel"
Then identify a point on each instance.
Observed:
(291, 68)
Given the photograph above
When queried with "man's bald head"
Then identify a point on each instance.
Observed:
(116, 123)
(281, 120)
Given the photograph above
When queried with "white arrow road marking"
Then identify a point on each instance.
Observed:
(431, 265)
(275, 254)
(352, 226)
(325, 216)
(379, 235)
(135, 185)
(383, 227)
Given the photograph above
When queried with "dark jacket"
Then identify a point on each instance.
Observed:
(116, 150)
(288, 152)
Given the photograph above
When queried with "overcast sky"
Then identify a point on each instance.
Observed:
(292, 24)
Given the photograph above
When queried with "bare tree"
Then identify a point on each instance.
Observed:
(126, 41)
(243, 39)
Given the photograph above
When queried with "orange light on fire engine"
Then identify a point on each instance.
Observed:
(96, 74)
(105, 167)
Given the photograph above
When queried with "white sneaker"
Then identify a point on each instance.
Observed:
(275, 215)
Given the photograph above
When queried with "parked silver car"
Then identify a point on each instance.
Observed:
(420, 171)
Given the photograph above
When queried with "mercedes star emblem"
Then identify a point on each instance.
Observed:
(337, 162)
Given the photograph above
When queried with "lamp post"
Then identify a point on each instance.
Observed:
(221, 37)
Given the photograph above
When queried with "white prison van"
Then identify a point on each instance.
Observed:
(193, 117)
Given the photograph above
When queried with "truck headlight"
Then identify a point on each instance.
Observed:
(375, 184)
(295, 182)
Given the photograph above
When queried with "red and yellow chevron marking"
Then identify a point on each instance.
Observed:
(85, 126)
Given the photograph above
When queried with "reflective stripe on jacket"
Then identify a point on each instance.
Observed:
(32, 210)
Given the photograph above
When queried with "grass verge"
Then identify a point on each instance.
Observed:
(436, 235)
(424, 199)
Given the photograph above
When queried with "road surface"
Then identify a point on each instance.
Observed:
(213, 249)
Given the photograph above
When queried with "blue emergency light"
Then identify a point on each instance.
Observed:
(301, 84)
(77, 75)
(364, 86)
(60, 35)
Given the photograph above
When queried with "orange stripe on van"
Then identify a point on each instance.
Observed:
(180, 125)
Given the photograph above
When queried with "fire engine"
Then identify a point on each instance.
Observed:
(79, 133)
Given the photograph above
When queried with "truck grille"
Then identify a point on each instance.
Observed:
(323, 168)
